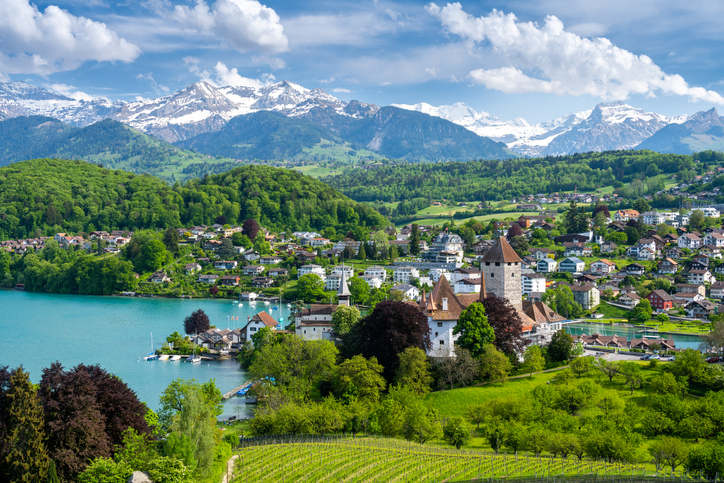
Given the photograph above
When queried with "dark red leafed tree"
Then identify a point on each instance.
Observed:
(197, 322)
(250, 228)
(221, 220)
(514, 230)
(602, 208)
(391, 328)
(506, 323)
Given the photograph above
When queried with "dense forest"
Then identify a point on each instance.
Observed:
(46, 196)
(497, 180)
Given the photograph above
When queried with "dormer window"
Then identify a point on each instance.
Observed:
(444, 304)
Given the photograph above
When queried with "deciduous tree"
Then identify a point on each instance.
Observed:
(456, 432)
(414, 371)
(197, 322)
(506, 324)
(344, 318)
(473, 329)
(361, 378)
(494, 365)
(310, 287)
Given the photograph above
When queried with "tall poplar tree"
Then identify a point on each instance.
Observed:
(27, 459)
(415, 240)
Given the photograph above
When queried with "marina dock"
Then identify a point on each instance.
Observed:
(233, 392)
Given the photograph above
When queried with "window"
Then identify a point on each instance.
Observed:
(442, 342)
(512, 275)
(497, 264)
(487, 264)
(492, 275)
(439, 324)
(435, 334)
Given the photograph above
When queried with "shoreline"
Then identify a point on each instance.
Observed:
(701, 336)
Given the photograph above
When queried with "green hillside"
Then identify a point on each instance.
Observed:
(108, 142)
(45, 196)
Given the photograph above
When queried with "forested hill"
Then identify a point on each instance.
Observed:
(491, 180)
(45, 196)
(108, 142)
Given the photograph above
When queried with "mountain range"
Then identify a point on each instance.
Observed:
(311, 124)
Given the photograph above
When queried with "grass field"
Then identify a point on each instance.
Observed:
(389, 460)
(315, 171)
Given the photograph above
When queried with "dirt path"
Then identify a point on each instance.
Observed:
(229, 475)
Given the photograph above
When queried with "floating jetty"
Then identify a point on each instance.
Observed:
(237, 391)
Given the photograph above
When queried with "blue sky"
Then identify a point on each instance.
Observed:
(534, 59)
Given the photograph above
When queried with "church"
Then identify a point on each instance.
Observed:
(500, 275)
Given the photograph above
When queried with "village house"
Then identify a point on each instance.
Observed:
(251, 256)
(533, 282)
(711, 251)
(684, 298)
(214, 339)
(253, 270)
(467, 285)
(699, 276)
(225, 264)
(192, 268)
(309, 269)
(608, 247)
(270, 260)
(603, 267)
(715, 239)
(603, 340)
(547, 265)
(276, 272)
(625, 215)
(646, 254)
(635, 269)
(541, 253)
(669, 266)
(646, 344)
(230, 280)
(577, 249)
(631, 299)
(408, 291)
(691, 288)
(716, 291)
(212, 245)
(700, 309)
(690, 241)
(159, 277)
(587, 295)
(258, 321)
(653, 218)
(315, 241)
(262, 282)
(572, 265)
(405, 274)
(210, 279)
(660, 300)
(675, 253)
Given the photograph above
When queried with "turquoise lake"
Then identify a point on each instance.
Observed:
(680, 341)
(115, 333)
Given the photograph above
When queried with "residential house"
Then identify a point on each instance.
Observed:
(463, 274)
(674, 252)
(225, 264)
(405, 274)
(595, 339)
(533, 282)
(271, 260)
(348, 270)
(253, 270)
(716, 291)
(603, 267)
(315, 241)
(684, 298)
(230, 280)
(377, 272)
(645, 344)
(159, 277)
(690, 241)
(715, 239)
(577, 249)
(587, 295)
(251, 256)
(541, 253)
(468, 285)
(631, 299)
(660, 300)
(372, 281)
(608, 247)
(305, 256)
(668, 265)
(699, 276)
(408, 291)
(314, 322)
(572, 265)
(312, 268)
(625, 215)
(635, 269)
(210, 279)
(212, 245)
(646, 254)
(547, 265)
(700, 309)
(214, 339)
(691, 288)
(258, 321)
(711, 251)
(653, 218)
(248, 295)
(276, 272)
(262, 282)
(192, 268)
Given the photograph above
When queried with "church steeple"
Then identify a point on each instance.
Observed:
(343, 294)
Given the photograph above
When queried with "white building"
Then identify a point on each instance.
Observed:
(409, 292)
(533, 282)
(715, 239)
(316, 269)
(653, 218)
(547, 265)
(603, 267)
(376, 271)
(572, 265)
(372, 281)
(348, 271)
(405, 274)
(690, 241)
(708, 212)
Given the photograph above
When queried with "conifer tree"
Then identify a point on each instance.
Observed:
(27, 459)
(415, 240)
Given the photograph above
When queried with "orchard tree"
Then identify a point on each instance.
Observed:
(196, 323)
(414, 371)
(494, 365)
(473, 329)
(456, 431)
(533, 360)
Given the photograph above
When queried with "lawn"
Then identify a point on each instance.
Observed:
(316, 171)
(611, 312)
(684, 326)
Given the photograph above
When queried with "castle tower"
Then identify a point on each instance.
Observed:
(501, 268)
(343, 294)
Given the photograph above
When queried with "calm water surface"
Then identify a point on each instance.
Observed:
(37, 329)
(680, 341)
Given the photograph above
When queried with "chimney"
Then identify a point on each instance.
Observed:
(444, 304)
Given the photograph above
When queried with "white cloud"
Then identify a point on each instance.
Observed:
(341, 90)
(246, 25)
(71, 91)
(158, 88)
(224, 76)
(343, 29)
(35, 42)
(274, 62)
(432, 71)
(327, 81)
(549, 59)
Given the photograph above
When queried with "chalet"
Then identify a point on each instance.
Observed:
(408, 291)
(716, 291)
(159, 277)
(684, 298)
(305, 256)
(258, 321)
(660, 300)
(192, 268)
(275, 272)
(617, 227)
(674, 252)
(646, 254)
(635, 269)
(690, 241)
(270, 260)
(608, 247)
(699, 276)
(547, 265)
(715, 239)
(225, 264)
(631, 299)
(702, 259)
(700, 309)
(262, 282)
(649, 243)
(577, 249)
(572, 265)
(587, 295)
(230, 280)
(212, 245)
(541, 253)
(253, 270)
(711, 251)
(668, 265)
(691, 288)
(210, 279)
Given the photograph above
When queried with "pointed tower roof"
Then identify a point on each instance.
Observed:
(343, 288)
(501, 251)
(423, 300)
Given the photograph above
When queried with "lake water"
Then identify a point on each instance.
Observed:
(115, 333)
(680, 341)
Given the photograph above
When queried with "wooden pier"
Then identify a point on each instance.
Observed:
(233, 392)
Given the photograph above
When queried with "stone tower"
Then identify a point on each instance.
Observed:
(502, 273)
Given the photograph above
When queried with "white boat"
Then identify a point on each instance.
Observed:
(151, 356)
(193, 358)
(266, 302)
(175, 358)
(163, 357)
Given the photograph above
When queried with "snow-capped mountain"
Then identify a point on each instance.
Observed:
(198, 108)
(608, 126)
